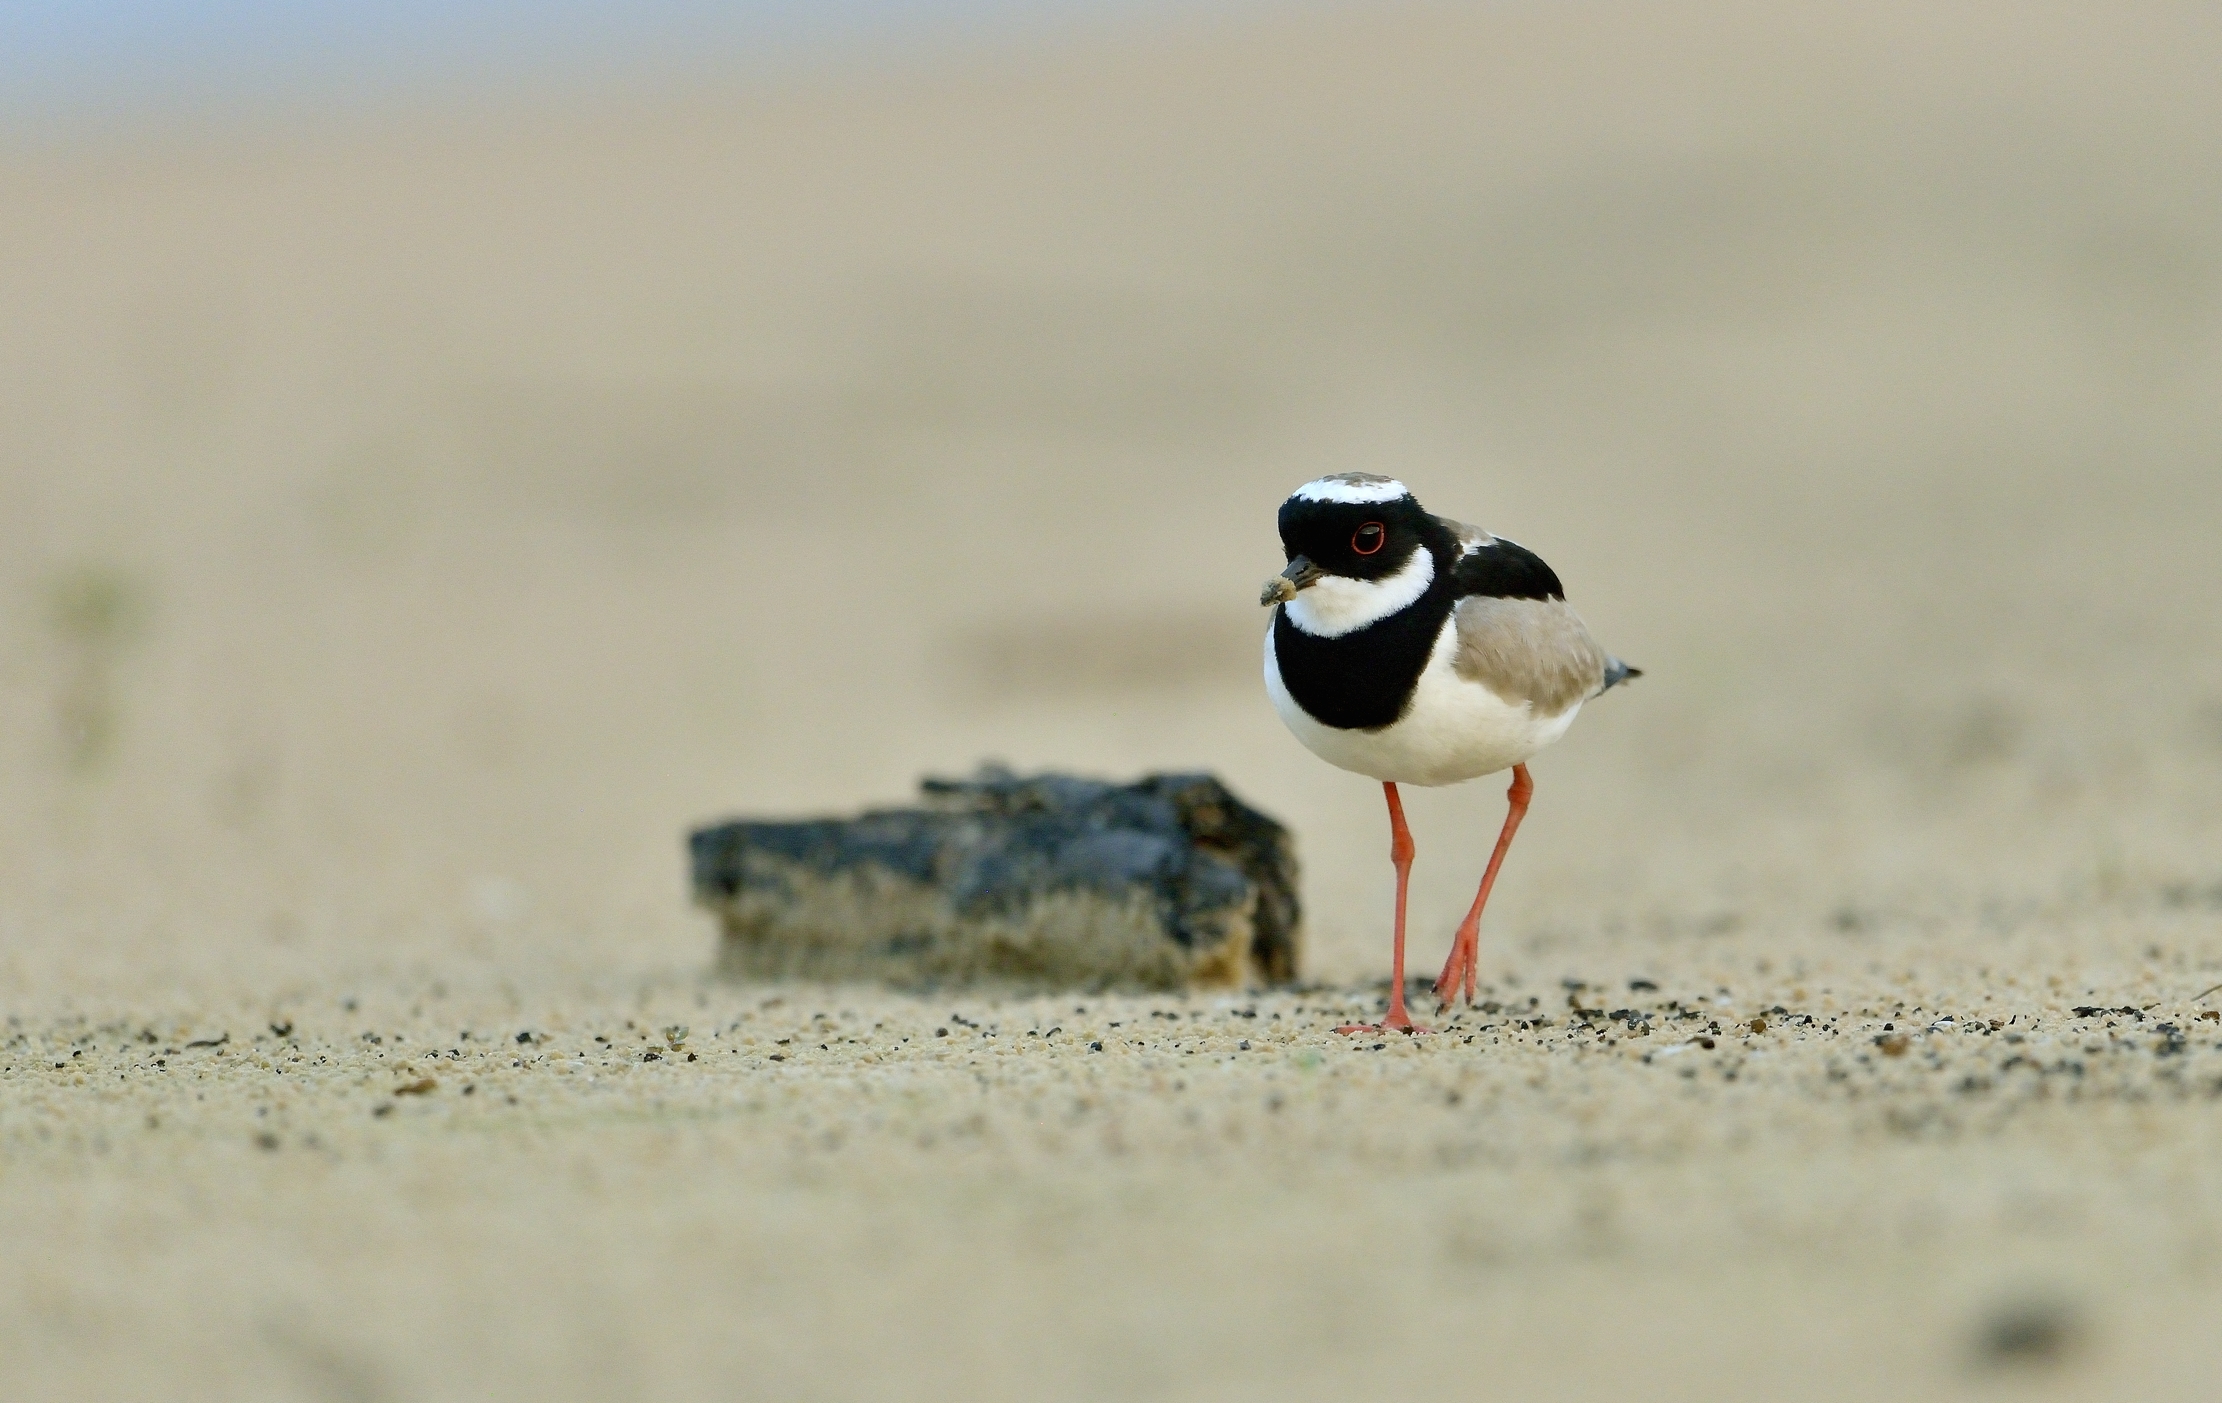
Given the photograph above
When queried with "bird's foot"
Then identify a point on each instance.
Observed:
(1394, 1023)
(1460, 973)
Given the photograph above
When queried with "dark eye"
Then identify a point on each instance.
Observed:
(1370, 538)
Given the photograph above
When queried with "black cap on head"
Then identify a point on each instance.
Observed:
(1356, 525)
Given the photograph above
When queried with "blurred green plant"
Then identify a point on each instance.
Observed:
(95, 613)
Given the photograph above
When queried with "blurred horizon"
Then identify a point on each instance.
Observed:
(69, 69)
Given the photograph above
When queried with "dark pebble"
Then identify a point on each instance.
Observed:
(2029, 1333)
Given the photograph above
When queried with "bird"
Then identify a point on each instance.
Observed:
(1415, 649)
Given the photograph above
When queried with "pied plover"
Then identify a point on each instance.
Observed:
(1417, 650)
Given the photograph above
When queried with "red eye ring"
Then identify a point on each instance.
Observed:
(1373, 529)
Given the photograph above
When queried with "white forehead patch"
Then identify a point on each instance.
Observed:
(1352, 489)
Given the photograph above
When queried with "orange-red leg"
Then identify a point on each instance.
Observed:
(1400, 853)
(1462, 970)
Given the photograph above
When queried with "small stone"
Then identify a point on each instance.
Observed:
(1047, 880)
(2029, 1333)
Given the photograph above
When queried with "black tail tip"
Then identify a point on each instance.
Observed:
(1617, 672)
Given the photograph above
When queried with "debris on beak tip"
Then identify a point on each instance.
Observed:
(1283, 587)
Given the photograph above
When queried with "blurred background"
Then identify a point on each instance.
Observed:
(445, 451)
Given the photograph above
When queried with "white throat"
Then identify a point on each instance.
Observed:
(1338, 604)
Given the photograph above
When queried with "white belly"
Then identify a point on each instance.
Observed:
(1454, 729)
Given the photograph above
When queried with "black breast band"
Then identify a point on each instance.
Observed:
(1362, 680)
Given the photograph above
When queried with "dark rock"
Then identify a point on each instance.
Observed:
(2029, 1332)
(1046, 880)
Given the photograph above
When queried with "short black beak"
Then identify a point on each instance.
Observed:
(1300, 574)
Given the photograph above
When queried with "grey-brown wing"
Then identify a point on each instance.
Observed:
(1530, 650)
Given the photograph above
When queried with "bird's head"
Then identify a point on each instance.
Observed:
(1360, 541)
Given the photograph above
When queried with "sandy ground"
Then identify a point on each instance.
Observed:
(409, 526)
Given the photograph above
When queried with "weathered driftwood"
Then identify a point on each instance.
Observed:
(1043, 880)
